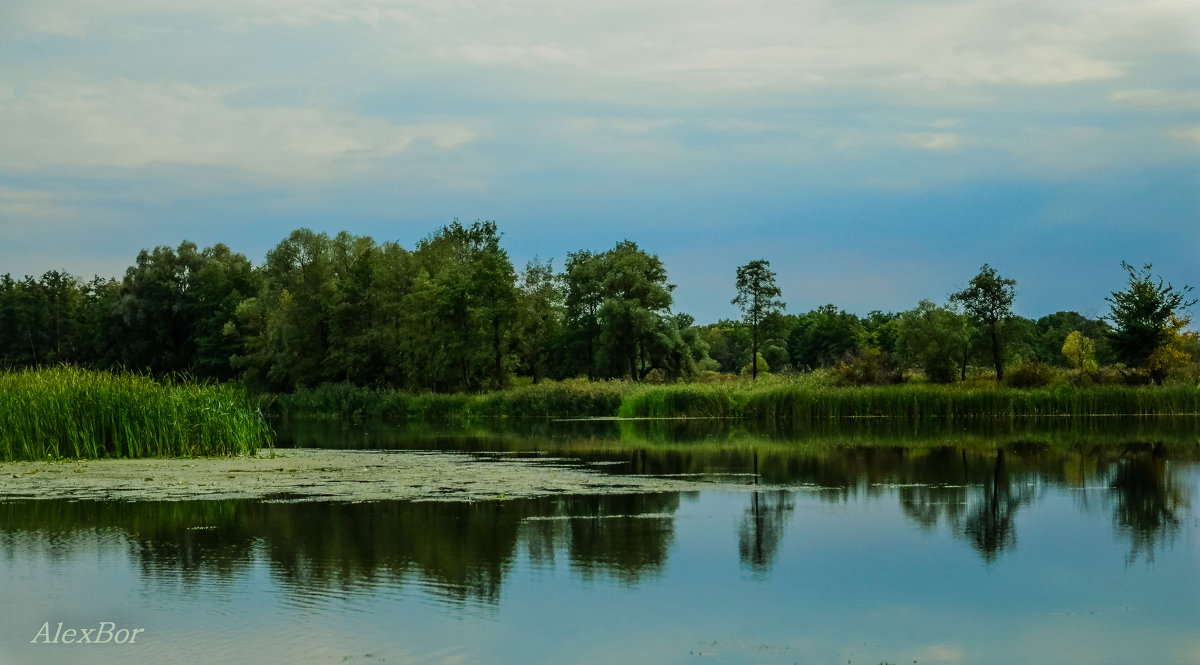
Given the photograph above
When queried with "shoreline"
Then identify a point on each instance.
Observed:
(309, 474)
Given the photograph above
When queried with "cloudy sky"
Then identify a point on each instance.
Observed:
(875, 152)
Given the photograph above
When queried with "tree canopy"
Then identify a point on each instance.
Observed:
(758, 298)
(1141, 314)
(452, 314)
(988, 300)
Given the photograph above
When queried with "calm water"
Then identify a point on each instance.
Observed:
(947, 553)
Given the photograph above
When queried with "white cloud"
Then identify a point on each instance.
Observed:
(942, 653)
(49, 22)
(1158, 98)
(485, 54)
(128, 124)
(804, 72)
(1188, 134)
(934, 140)
(1056, 152)
(23, 206)
(623, 48)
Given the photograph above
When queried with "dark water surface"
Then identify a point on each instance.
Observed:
(953, 551)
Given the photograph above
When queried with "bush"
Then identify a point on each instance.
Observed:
(1030, 375)
(763, 368)
(870, 368)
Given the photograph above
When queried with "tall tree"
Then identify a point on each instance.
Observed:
(540, 315)
(222, 280)
(582, 280)
(636, 299)
(301, 294)
(988, 300)
(757, 296)
(1141, 314)
(470, 298)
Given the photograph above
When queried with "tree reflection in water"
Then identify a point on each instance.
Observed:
(464, 551)
(1148, 498)
(990, 524)
(761, 529)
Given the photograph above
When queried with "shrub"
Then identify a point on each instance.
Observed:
(870, 368)
(1030, 375)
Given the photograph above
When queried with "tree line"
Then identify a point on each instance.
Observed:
(454, 314)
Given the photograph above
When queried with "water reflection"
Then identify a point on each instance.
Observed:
(461, 551)
(465, 550)
(761, 528)
(1149, 497)
(533, 435)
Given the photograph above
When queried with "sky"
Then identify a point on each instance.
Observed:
(875, 152)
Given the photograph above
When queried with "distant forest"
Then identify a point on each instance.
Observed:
(453, 314)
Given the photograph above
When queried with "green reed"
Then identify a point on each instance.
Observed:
(918, 402)
(560, 399)
(67, 412)
(798, 400)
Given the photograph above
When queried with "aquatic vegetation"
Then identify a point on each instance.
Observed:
(917, 402)
(779, 399)
(70, 412)
(559, 399)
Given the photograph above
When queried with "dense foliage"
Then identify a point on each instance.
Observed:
(452, 314)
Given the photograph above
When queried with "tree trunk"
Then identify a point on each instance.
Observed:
(754, 351)
(499, 369)
(996, 354)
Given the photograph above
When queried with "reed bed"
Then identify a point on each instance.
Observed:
(921, 402)
(67, 412)
(782, 401)
(561, 399)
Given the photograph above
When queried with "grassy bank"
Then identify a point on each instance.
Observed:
(71, 412)
(797, 401)
(566, 399)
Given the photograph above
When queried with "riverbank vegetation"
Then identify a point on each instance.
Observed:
(67, 412)
(451, 325)
(806, 399)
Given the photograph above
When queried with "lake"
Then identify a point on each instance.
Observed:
(1047, 543)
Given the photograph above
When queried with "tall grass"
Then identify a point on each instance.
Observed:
(918, 402)
(797, 400)
(564, 399)
(71, 412)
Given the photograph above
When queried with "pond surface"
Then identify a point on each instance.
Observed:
(952, 551)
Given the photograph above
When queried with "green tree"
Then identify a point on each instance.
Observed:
(637, 298)
(470, 297)
(42, 321)
(696, 343)
(102, 322)
(728, 344)
(540, 317)
(988, 300)
(935, 338)
(295, 311)
(882, 330)
(1080, 351)
(1141, 315)
(583, 282)
(1173, 352)
(758, 297)
(824, 336)
(1052, 332)
(222, 280)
